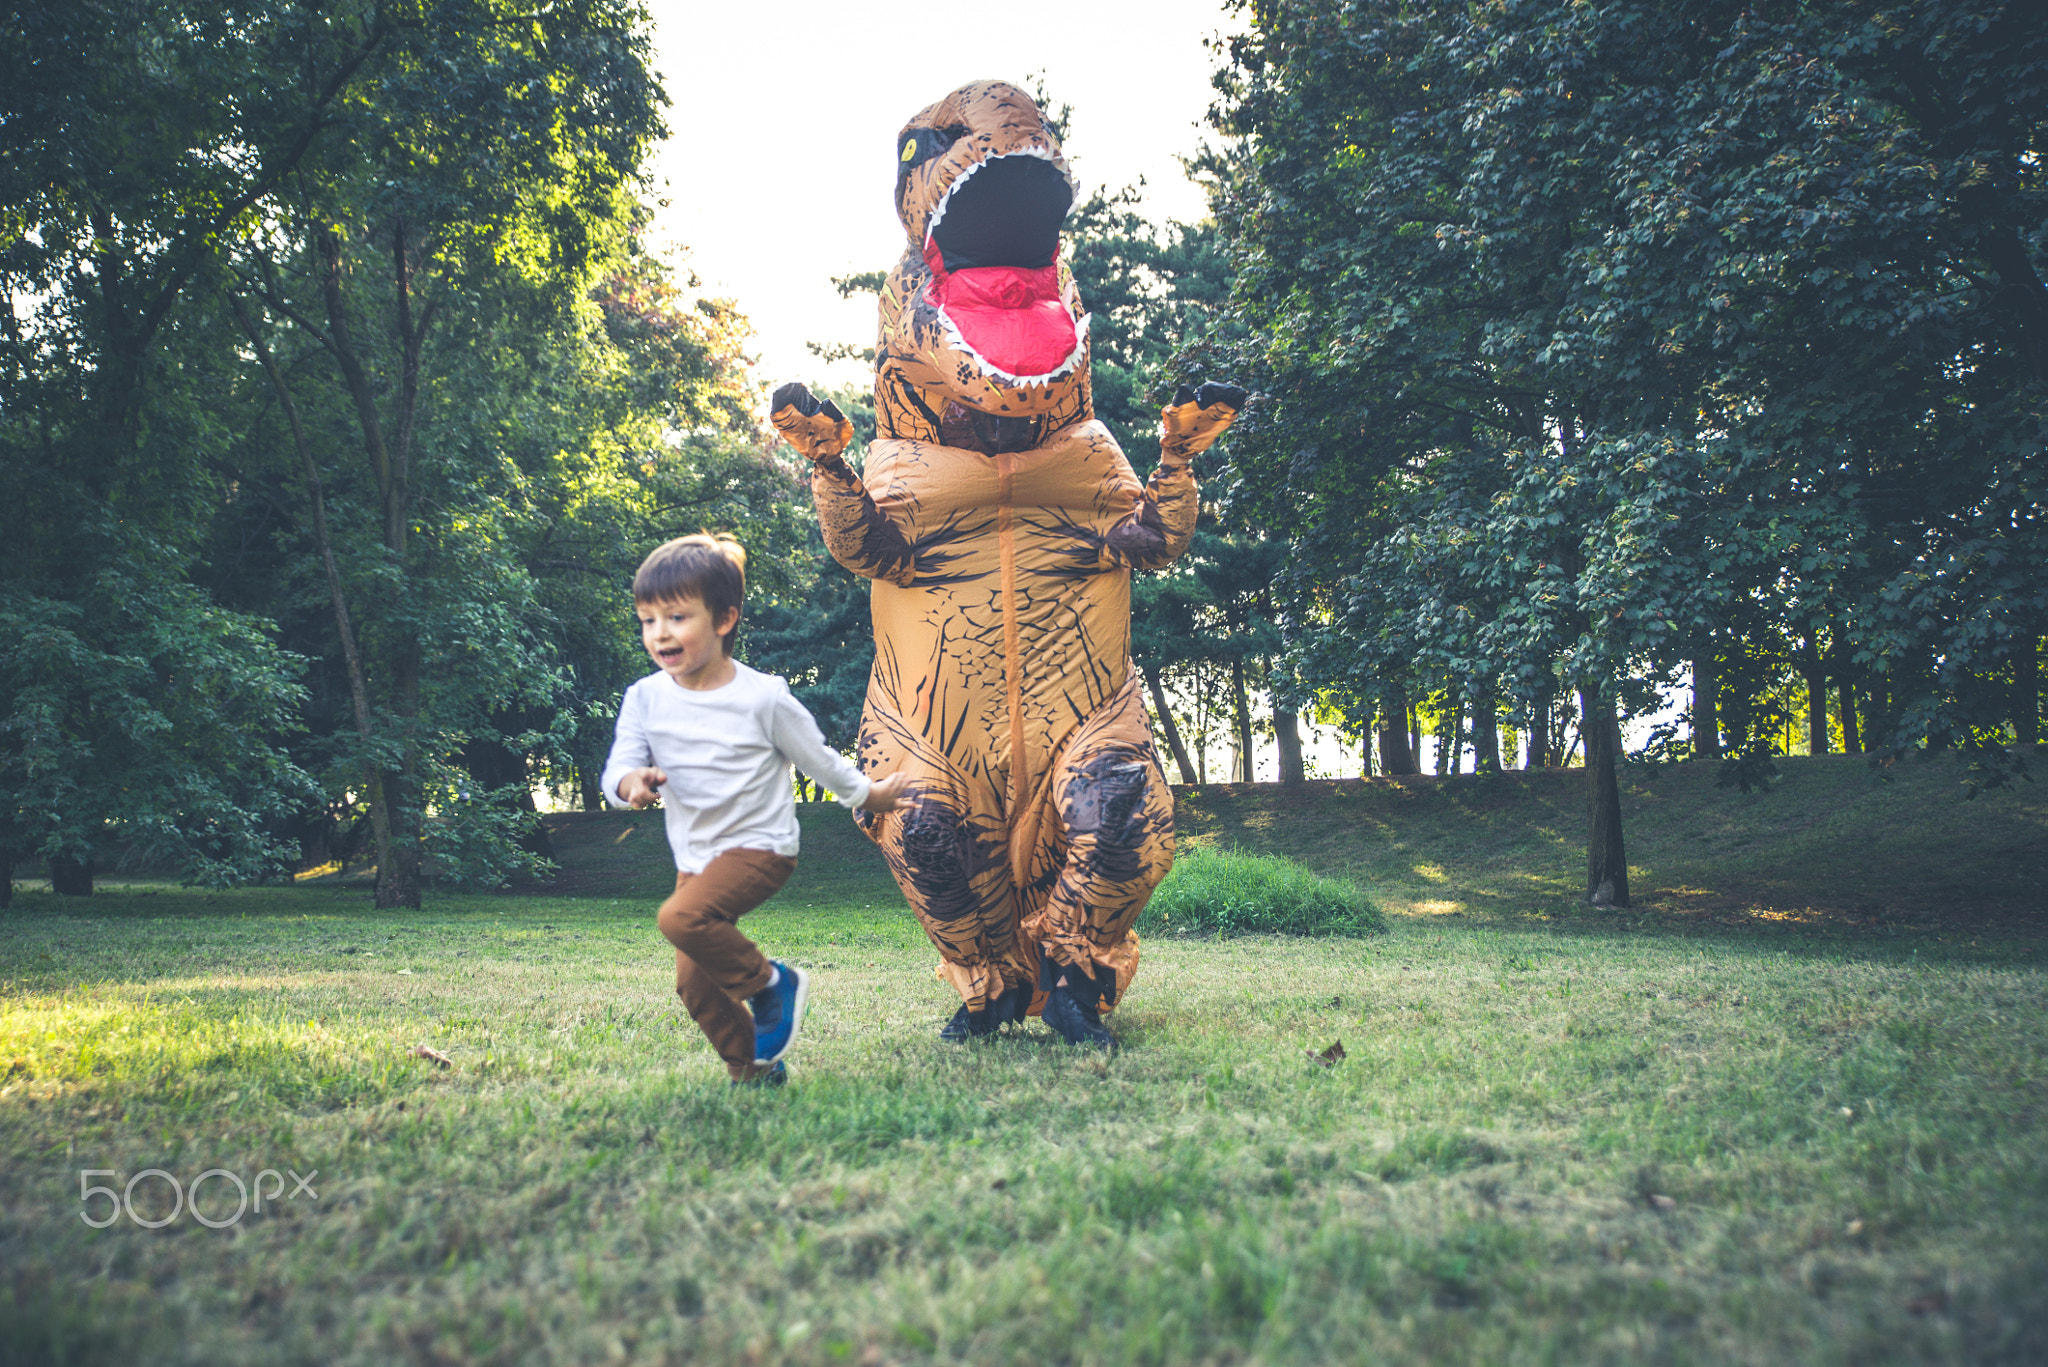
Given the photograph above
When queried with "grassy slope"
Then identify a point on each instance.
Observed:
(1844, 1120)
(1835, 841)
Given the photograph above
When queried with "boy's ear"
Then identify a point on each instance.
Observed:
(728, 622)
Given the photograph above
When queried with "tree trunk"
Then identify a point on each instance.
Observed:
(1852, 731)
(1241, 701)
(6, 877)
(1606, 859)
(1878, 699)
(1166, 724)
(1540, 753)
(398, 885)
(1816, 714)
(1485, 734)
(323, 543)
(397, 789)
(1706, 708)
(1815, 670)
(1287, 739)
(71, 877)
(1448, 749)
(1395, 756)
(1415, 737)
(2026, 691)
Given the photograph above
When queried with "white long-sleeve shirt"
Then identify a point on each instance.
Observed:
(727, 753)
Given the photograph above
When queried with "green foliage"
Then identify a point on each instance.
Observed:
(1601, 335)
(1752, 769)
(143, 721)
(818, 632)
(1235, 892)
(822, 642)
(342, 325)
(1643, 329)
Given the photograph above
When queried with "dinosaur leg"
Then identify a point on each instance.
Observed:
(953, 872)
(1115, 811)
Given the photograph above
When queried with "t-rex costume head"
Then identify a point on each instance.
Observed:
(1001, 524)
(980, 318)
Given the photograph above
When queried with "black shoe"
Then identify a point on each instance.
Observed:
(1077, 1021)
(967, 1025)
(1013, 1006)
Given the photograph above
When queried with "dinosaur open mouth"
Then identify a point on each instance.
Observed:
(993, 249)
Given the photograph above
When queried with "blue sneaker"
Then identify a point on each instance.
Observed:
(778, 1011)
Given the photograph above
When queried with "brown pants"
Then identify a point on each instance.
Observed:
(718, 968)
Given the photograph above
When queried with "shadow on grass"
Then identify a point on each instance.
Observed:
(1836, 842)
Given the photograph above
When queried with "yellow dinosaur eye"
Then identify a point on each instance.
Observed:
(909, 148)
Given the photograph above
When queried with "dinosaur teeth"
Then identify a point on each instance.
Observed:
(1041, 153)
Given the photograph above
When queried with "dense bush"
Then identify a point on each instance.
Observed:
(1224, 892)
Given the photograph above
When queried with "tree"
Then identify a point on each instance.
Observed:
(490, 181)
(142, 137)
(1538, 290)
(343, 341)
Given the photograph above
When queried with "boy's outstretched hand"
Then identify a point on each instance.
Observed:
(638, 788)
(886, 794)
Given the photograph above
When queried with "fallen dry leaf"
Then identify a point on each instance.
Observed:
(439, 1059)
(1660, 1201)
(1329, 1058)
(1933, 1303)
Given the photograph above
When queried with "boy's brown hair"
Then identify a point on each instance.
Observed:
(711, 569)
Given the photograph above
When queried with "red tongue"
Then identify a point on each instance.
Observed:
(1012, 317)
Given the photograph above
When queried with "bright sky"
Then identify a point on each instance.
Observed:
(781, 155)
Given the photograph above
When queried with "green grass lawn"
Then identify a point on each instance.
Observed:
(1790, 1109)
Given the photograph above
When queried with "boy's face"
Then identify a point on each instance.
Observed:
(684, 642)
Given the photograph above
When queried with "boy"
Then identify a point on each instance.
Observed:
(717, 739)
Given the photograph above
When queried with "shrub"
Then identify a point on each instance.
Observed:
(1225, 892)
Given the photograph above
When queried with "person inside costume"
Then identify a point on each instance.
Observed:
(1000, 524)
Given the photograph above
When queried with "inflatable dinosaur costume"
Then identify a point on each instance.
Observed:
(1000, 524)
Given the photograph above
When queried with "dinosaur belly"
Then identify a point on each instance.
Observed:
(1011, 633)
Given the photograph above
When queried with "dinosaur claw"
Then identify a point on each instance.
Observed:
(798, 396)
(816, 429)
(1196, 418)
